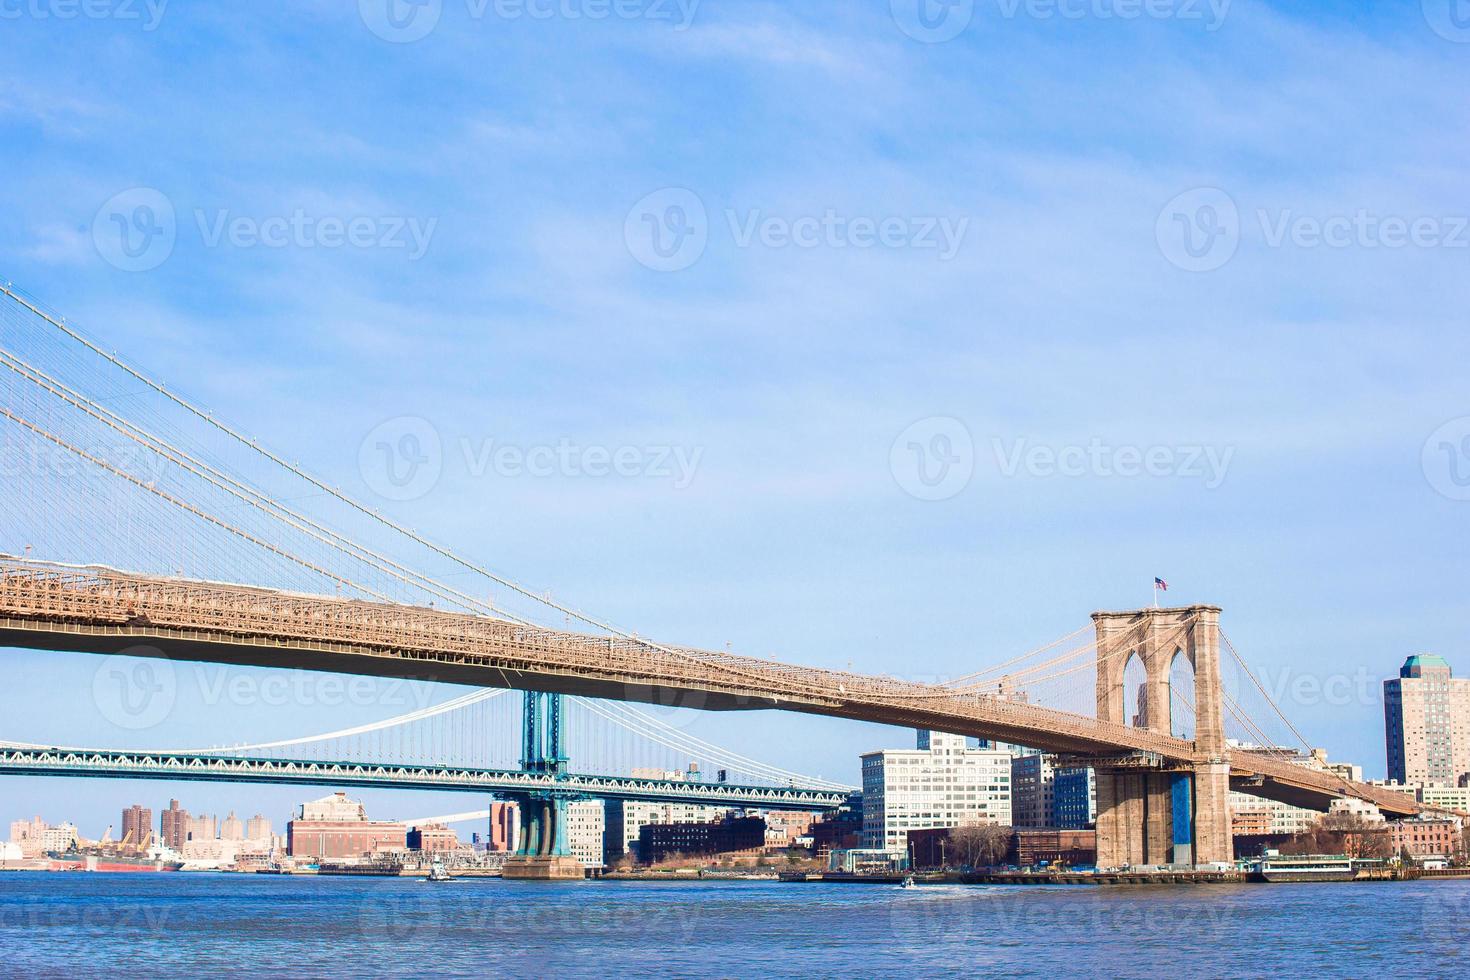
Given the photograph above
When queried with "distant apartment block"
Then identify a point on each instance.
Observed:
(941, 783)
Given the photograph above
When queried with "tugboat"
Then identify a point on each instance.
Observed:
(440, 873)
(908, 882)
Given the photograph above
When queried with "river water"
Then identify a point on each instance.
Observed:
(200, 925)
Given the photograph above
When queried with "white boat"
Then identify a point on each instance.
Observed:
(1305, 867)
(908, 883)
(440, 873)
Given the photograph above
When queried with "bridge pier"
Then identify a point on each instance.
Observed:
(1145, 813)
(544, 854)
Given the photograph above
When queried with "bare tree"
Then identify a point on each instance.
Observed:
(1348, 834)
(979, 845)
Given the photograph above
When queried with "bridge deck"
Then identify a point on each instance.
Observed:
(103, 611)
(34, 761)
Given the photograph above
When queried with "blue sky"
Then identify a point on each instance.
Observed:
(1308, 335)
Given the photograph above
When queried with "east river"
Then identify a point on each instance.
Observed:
(98, 926)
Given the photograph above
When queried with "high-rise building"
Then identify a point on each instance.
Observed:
(942, 783)
(258, 827)
(27, 835)
(1074, 798)
(173, 826)
(203, 827)
(137, 826)
(1426, 713)
(1033, 791)
(232, 828)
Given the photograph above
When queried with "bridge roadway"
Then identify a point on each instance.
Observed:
(95, 610)
(141, 764)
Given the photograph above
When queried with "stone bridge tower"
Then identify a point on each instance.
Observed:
(1172, 812)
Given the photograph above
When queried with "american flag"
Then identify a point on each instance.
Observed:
(1160, 584)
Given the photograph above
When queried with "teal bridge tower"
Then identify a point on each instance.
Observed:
(544, 850)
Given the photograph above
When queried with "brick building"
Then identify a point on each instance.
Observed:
(1427, 837)
(433, 838)
(335, 827)
(137, 827)
(783, 827)
(1030, 847)
(173, 826)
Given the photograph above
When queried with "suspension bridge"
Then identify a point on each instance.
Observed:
(140, 523)
(470, 737)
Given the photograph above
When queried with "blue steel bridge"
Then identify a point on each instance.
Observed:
(676, 767)
(508, 783)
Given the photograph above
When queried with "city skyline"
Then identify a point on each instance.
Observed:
(672, 487)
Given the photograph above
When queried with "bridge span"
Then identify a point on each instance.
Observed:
(102, 611)
(127, 764)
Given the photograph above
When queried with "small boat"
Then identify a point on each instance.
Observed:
(908, 882)
(440, 873)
